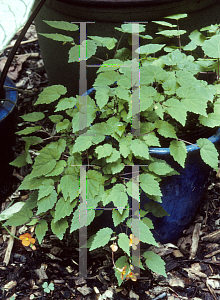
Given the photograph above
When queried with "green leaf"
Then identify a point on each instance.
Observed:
(106, 78)
(19, 161)
(133, 187)
(114, 156)
(156, 209)
(33, 117)
(64, 125)
(29, 130)
(82, 52)
(47, 203)
(139, 148)
(46, 188)
(61, 164)
(94, 180)
(118, 218)
(123, 93)
(41, 230)
(173, 58)
(82, 218)
(30, 183)
(151, 73)
(165, 129)
(119, 197)
(124, 146)
(208, 152)
(120, 263)
(150, 185)
(10, 211)
(145, 235)
(129, 28)
(82, 143)
(190, 47)
(176, 109)
(104, 150)
(146, 97)
(160, 168)
(178, 151)
(148, 222)
(211, 47)
(102, 238)
(63, 25)
(59, 227)
(44, 163)
(197, 37)
(123, 243)
(21, 217)
(56, 118)
(51, 94)
(150, 48)
(151, 139)
(70, 187)
(177, 16)
(63, 208)
(66, 103)
(31, 201)
(172, 32)
(154, 262)
(58, 37)
(110, 65)
(212, 120)
(107, 42)
(164, 23)
(102, 95)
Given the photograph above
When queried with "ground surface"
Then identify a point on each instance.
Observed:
(192, 262)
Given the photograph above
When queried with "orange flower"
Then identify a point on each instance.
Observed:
(123, 272)
(27, 239)
(131, 276)
(114, 247)
(133, 241)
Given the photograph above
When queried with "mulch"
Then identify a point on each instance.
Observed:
(192, 262)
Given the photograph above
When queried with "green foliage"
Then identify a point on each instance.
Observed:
(154, 262)
(77, 172)
(10, 211)
(48, 287)
(102, 238)
(41, 229)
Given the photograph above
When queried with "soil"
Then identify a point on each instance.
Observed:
(192, 262)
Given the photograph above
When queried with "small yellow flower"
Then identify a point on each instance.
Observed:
(27, 239)
(133, 241)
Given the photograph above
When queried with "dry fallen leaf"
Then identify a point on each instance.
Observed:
(16, 67)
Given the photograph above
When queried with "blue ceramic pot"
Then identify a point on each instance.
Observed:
(7, 137)
(182, 193)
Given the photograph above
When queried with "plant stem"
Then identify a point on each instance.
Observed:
(10, 232)
(188, 143)
(16, 89)
(16, 45)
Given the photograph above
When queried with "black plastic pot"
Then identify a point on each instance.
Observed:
(8, 116)
(103, 16)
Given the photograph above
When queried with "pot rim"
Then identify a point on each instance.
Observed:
(7, 107)
(214, 138)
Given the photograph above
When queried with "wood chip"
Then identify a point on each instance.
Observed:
(8, 286)
(41, 274)
(10, 246)
(195, 240)
(212, 237)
